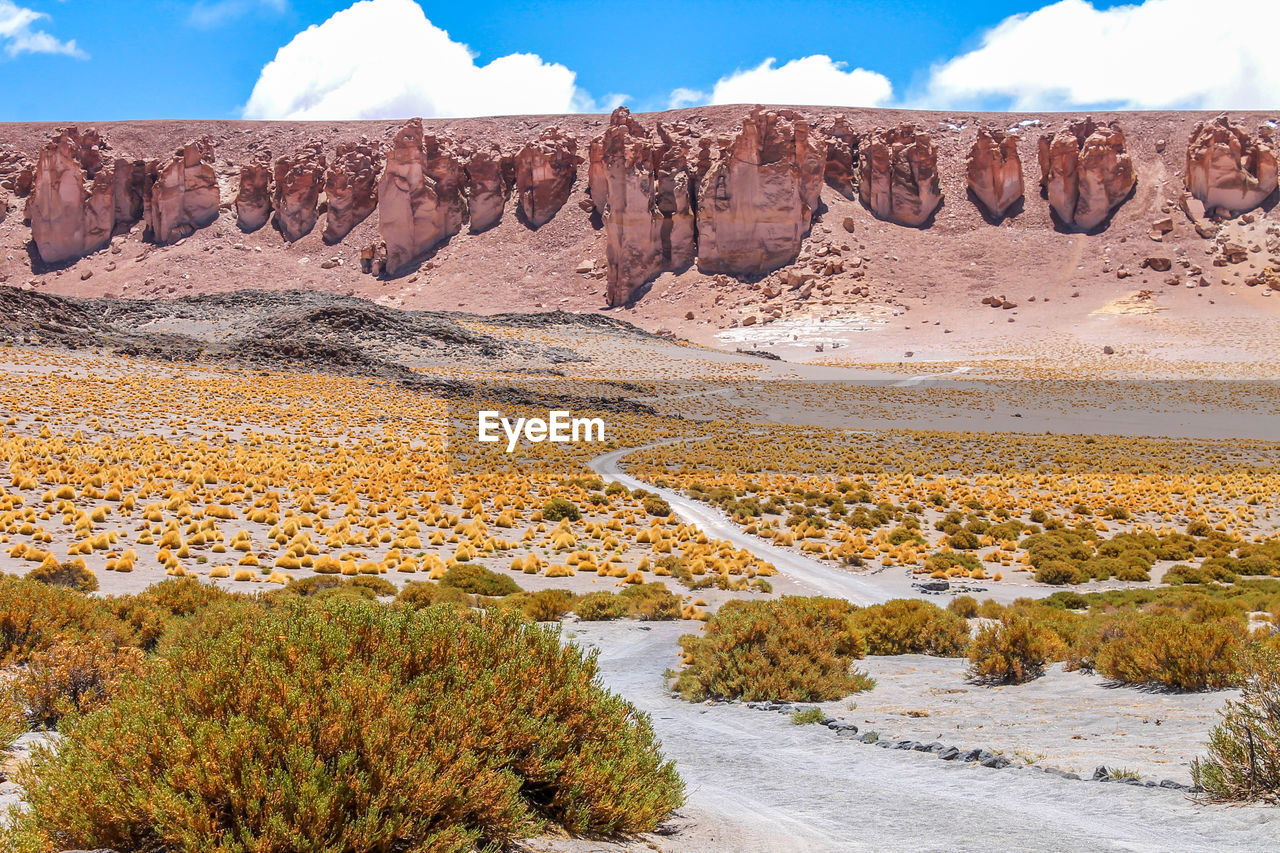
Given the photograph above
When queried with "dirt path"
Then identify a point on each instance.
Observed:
(758, 783)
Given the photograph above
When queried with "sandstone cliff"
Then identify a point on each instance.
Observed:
(183, 194)
(640, 184)
(1086, 172)
(298, 182)
(898, 175)
(351, 187)
(1228, 169)
(545, 171)
(72, 203)
(490, 176)
(756, 193)
(253, 200)
(419, 196)
(994, 171)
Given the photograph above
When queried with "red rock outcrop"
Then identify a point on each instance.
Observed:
(994, 171)
(298, 180)
(1086, 172)
(756, 193)
(898, 175)
(253, 199)
(1228, 169)
(545, 171)
(641, 186)
(419, 196)
(183, 194)
(842, 156)
(490, 176)
(72, 206)
(17, 173)
(351, 187)
(128, 188)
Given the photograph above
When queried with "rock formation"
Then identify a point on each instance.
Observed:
(183, 193)
(298, 181)
(17, 173)
(253, 200)
(1228, 169)
(545, 171)
(419, 196)
(640, 183)
(994, 171)
(351, 187)
(72, 203)
(1086, 172)
(756, 193)
(842, 156)
(898, 175)
(128, 190)
(490, 176)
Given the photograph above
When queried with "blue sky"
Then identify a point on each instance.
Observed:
(76, 60)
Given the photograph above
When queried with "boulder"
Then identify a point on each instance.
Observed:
(296, 196)
(351, 187)
(253, 200)
(842, 156)
(1086, 172)
(490, 176)
(17, 173)
(1228, 169)
(420, 199)
(994, 171)
(183, 193)
(757, 192)
(898, 175)
(645, 201)
(545, 171)
(72, 202)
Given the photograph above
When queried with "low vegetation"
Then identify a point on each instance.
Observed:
(1243, 764)
(407, 729)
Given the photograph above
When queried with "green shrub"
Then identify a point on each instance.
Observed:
(547, 605)
(1012, 651)
(1057, 572)
(558, 509)
(1181, 573)
(651, 602)
(964, 606)
(600, 607)
(154, 610)
(313, 584)
(420, 594)
(34, 615)
(478, 580)
(907, 626)
(1243, 764)
(65, 574)
(1169, 651)
(807, 717)
(792, 649)
(656, 506)
(944, 561)
(403, 730)
(379, 586)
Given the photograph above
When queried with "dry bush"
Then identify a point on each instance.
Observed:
(406, 730)
(1169, 651)
(908, 626)
(1244, 748)
(73, 677)
(1012, 651)
(420, 594)
(154, 610)
(478, 580)
(71, 575)
(35, 615)
(792, 649)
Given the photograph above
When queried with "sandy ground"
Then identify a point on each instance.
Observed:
(757, 782)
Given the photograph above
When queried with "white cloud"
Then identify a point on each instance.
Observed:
(681, 98)
(1159, 54)
(817, 79)
(384, 59)
(214, 13)
(18, 37)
